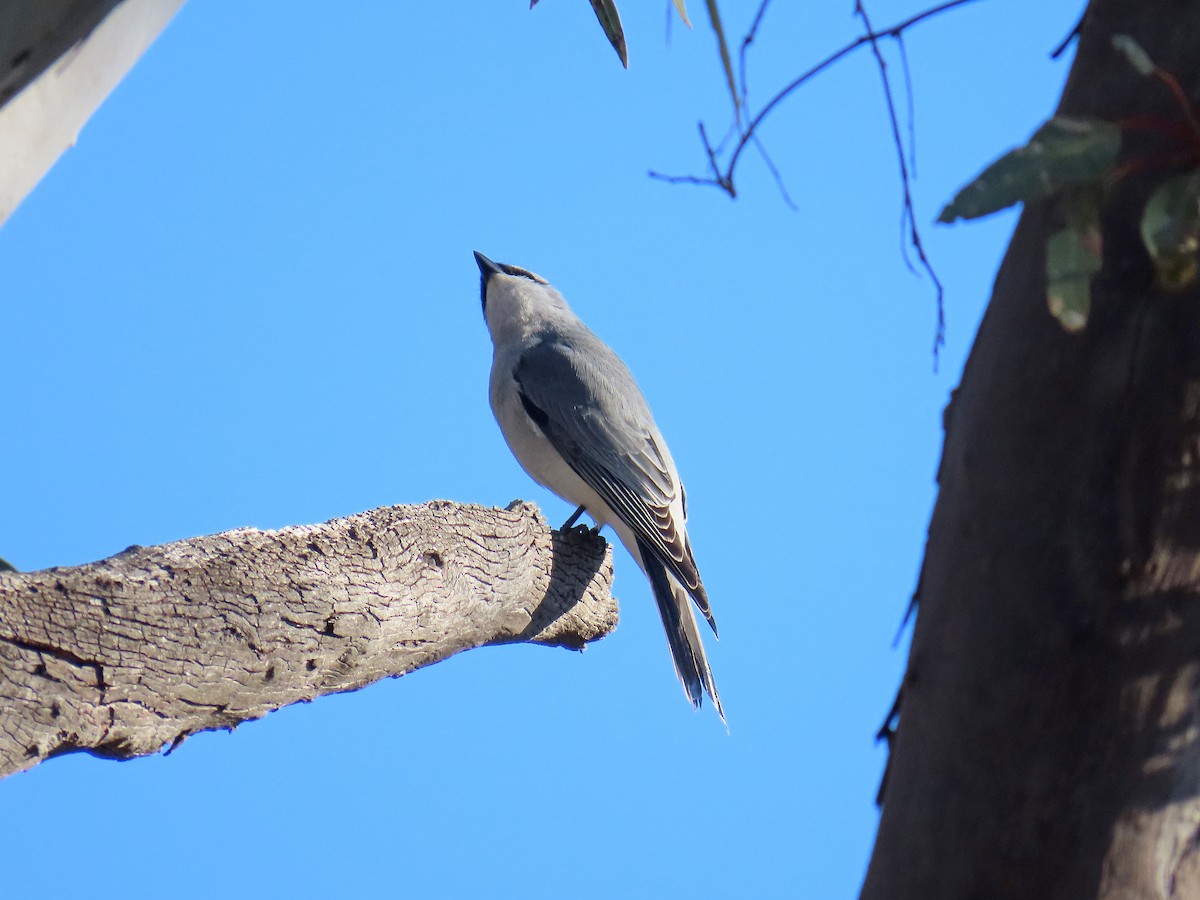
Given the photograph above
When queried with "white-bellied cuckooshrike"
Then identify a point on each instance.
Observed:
(578, 424)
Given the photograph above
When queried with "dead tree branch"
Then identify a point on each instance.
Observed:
(722, 176)
(122, 657)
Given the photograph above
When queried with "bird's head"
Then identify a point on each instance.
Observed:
(515, 300)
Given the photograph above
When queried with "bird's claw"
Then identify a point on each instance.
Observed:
(567, 525)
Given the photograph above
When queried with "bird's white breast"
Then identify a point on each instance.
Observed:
(532, 449)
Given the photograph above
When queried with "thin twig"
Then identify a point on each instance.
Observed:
(746, 42)
(717, 179)
(712, 162)
(825, 64)
(909, 213)
(911, 112)
(685, 179)
(1071, 35)
(783, 192)
(724, 180)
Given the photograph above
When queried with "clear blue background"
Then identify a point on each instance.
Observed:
(247, 298)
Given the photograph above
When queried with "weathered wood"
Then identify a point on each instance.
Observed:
(124, 656)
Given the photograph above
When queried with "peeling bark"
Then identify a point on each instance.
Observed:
(127, 655)
(1049, 738)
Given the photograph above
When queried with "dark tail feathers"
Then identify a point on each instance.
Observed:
(687, 650)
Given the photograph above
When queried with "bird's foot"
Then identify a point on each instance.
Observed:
(569, 524)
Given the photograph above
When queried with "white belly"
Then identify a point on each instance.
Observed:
(535, 453)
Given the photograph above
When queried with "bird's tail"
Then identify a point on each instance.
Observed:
(687, 650)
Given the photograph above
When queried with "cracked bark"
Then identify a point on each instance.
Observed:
(1049, 738)
(127, 655)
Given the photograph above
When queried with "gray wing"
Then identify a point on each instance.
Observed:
(591, 410)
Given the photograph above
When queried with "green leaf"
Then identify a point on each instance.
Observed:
(610, 21)
(681, 8)
(1072, 258)
(714, 16)
(1171, 230)
(1065, 151)
(1132, 50)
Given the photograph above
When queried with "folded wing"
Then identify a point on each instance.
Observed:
(598, 420)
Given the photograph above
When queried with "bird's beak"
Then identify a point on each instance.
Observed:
(487, 268)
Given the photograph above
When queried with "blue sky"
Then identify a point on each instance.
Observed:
(247, 298)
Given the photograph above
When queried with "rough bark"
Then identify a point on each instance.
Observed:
(124, 656)
(1047, 743)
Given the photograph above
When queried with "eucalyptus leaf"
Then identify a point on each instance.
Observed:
(610, 21)
(681, 8)
(1072, 258)
(1066, 151)
(714, 17)
(1171, 230)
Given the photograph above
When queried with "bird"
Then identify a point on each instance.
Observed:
(577, 422)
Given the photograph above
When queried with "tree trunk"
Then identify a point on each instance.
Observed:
(123, 656)
(1047, 744)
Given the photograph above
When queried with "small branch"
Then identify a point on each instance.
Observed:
(724, 178)
(1071, 35)
(771, 167)
(746, 42)
(908, 216)
(131, 654)
(685, 179)
(910, 112)
(712, 161)
(820, 67)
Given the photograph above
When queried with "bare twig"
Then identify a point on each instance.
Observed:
(1071, 35)
(712, 162)
(820, 67)
(746, 42)
(724, 178)
(775, 174)
(911, 112)
(909, 216)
